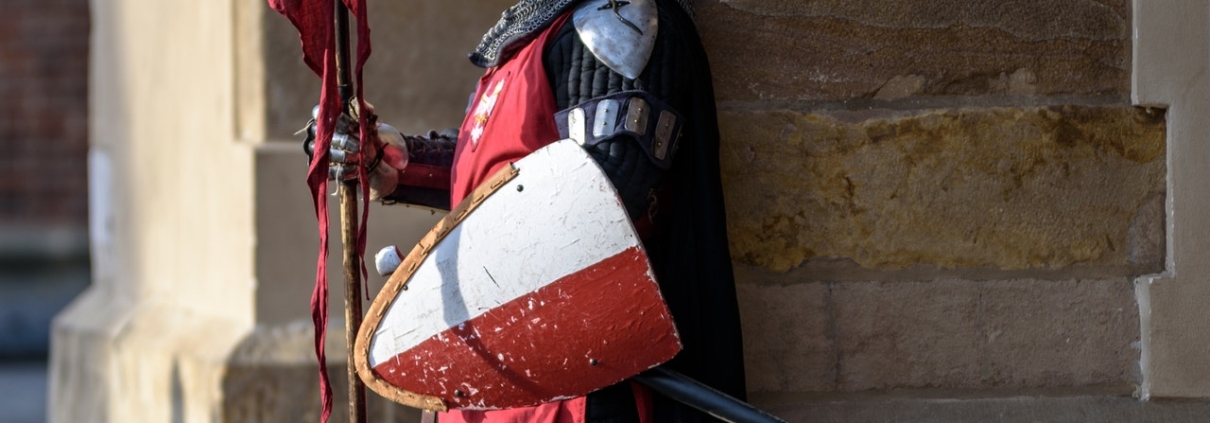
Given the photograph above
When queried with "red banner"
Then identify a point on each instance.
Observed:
(315, 21)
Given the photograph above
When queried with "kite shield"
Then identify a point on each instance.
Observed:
(535, 288)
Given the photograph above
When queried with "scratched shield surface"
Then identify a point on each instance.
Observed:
(542, 292)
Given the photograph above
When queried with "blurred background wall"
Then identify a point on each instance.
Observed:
(43, 171)
(44, 256)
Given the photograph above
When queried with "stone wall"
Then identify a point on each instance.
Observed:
(932, 196)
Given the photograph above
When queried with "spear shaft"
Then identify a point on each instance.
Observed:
(348, 226)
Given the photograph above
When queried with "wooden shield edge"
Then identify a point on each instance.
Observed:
(398, 283)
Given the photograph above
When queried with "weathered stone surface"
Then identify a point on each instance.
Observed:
(1000, 407)
(841, 50)
(788, 339)
(907, 334)
(1059, 333)
(1147, 233)
(1039, 188)
(946, 334)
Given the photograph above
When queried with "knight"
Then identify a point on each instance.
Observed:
(629, 82)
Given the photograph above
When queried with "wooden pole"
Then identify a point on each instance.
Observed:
(348, 228)
(353, 313)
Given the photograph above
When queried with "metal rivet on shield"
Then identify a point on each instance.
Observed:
(593, 362)
(520, 188)
(458, 393)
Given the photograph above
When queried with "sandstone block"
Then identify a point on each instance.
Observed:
(1059, 333)
(945, 334)
(907, 334)
(788, 341)
(1002, 188)
(842, 50)
(1000, 407)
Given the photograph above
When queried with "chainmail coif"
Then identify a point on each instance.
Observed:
(522, 19)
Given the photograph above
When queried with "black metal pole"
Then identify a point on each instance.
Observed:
(690, 392)
(344, 80)
(348, 226)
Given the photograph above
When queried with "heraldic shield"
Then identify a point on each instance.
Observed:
(533, 289)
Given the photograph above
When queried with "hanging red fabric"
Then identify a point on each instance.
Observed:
(315, 21)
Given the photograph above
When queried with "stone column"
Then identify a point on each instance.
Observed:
(1172, 60)
(203, 238)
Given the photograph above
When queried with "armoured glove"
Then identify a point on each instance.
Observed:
(385, 153)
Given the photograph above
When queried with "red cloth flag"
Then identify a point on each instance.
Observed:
(315, 20)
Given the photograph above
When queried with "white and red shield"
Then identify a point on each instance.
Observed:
(534, 289)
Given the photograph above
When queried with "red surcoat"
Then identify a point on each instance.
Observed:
(511, 116)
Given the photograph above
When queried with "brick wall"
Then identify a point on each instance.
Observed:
(43, 170)
(43, 117)
(936, 195)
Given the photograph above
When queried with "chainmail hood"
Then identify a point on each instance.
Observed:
(521, 20)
